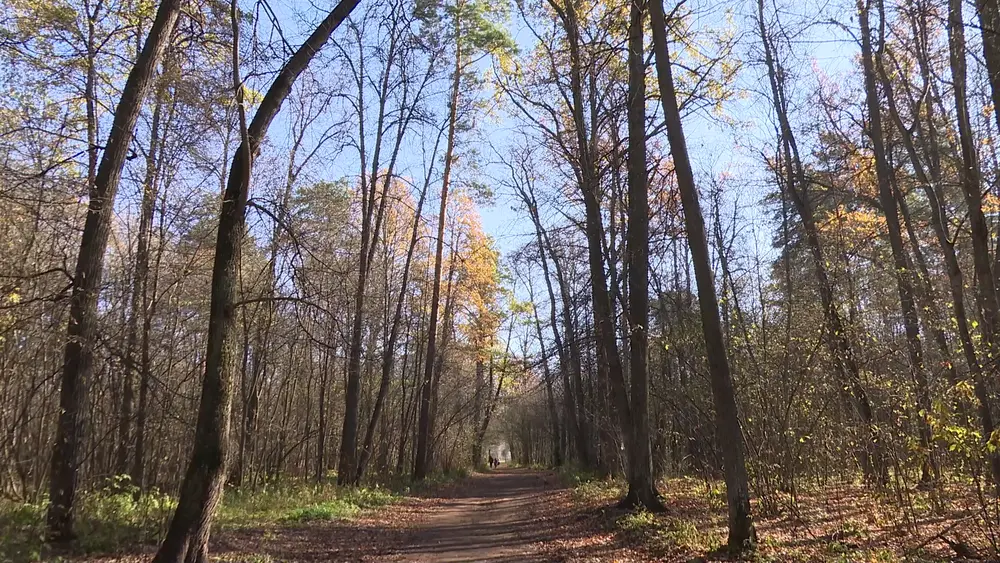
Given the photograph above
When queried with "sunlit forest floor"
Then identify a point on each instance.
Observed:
(523, 515)
(842, 523)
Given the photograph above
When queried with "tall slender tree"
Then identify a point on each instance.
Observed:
(901, 261)
(642, 489)
(78, 359)
(187, 538)
(742, 534)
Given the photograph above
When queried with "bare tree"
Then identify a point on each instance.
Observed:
(742, 535)
(81, 334)
(187, 539)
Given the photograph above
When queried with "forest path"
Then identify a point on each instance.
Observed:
(495, 516)
(504, 515)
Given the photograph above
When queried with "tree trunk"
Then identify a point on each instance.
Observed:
(742, 535)
(476, 450)
(187, 538)
(927, 296)
(557, 452)
(320, 467)
(139, 297)
(901, 262)
(989, 24)
(608, 360)
(420, 465)
(971, 179)
(81, 334)
(573, 421)
(642, 488)
(347, 468)
(389, 354)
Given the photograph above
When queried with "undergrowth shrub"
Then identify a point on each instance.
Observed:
(299, 501)
(598, 490)
(667, 534)
(106, 520)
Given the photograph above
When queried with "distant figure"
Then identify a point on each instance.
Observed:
(491, 460)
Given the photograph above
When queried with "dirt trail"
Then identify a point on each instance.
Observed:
(507, 515)
(495, 516)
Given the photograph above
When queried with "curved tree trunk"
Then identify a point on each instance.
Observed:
(79, 353)
(187, 538)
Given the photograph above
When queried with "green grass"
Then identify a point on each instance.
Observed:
(295, 501)
(664, 534)
(332, 510)
(347, 503)
(105, 521)
(638, 522)
(115, 519)
(403, 485)
(599, 490)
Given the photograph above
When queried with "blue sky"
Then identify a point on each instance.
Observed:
(716, 146)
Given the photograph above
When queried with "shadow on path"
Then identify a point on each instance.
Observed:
(496, 516)
(505, 515)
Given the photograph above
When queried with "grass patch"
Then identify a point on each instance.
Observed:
(590, 487)
(347, 503)
(683, 534)
(333, 510)
(404, 485)
(638, 522)
(835, 523)
(662, 534)
(298, 501)
(599, 491)
(21, 532)
(115, 519)
(572, 475)
(106, 521)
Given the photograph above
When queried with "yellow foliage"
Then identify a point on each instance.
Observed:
(854, 226)
(991, 203)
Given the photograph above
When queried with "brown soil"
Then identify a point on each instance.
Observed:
(500, 516)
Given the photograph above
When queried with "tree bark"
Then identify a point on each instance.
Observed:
(989, 25)
(742, 535)
(389, 354)
(424, 427)
(139, 305)
(971, 179)
(201, 491)
(573, 420)
(901, 262)
(642, 487)
(78, 358)
(557, 451)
